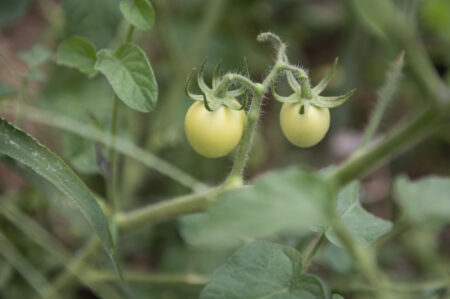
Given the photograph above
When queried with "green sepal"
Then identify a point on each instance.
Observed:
(216, 75)
(324, 82)
(236, 92)
(293, 98)
(201, 82)
(228, 101)
(332, 102)
(192, 96)
(293, 83)
(212, 105)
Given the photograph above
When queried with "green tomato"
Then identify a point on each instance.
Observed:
(215, 133)
(307, 129)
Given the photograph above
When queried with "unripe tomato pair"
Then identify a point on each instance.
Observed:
(216, 133)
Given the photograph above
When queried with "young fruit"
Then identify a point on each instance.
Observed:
(307, 129)
(215, 133)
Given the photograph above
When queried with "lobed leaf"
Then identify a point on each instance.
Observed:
(425, 201)
(139, 13)
(130, 74)
(364, 227)
(264, 270)
(278, 201)
(78, 53)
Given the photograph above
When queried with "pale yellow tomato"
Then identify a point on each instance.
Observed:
(307, 129)
(215, 133)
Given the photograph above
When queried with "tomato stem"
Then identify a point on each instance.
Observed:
(369, 158)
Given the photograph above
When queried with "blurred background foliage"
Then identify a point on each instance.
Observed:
(186, 31)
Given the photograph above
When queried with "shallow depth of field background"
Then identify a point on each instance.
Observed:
(185, 32)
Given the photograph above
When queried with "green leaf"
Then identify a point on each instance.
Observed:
(425, 201)
(363, 226)
(138, 13)
(25, 149)
(79, 53)
(337, 296)
(264, 270)
(129, 73)
(278, 201)
(95, 20)
(35, 57)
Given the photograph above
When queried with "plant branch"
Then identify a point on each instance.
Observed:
(149, 278)
(236, 174)
(385, 96)
(370, 158)
(182, 205)
(314, 250)
(230, 78)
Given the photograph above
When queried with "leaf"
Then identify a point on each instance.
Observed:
(79, 53)
(425, 201)
(264, 270)
(138, 13)
(129, 73)
(363, 226)
(25, 149)
(95, 20)
(286, 199)
(35, 57)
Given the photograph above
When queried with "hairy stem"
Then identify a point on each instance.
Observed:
(149, 278)
(236, 174)
(385, 96)
(182, 205)
(314, 250)
(370, 158)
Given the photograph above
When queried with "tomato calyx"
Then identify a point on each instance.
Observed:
(219, 94)
(305, 95)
